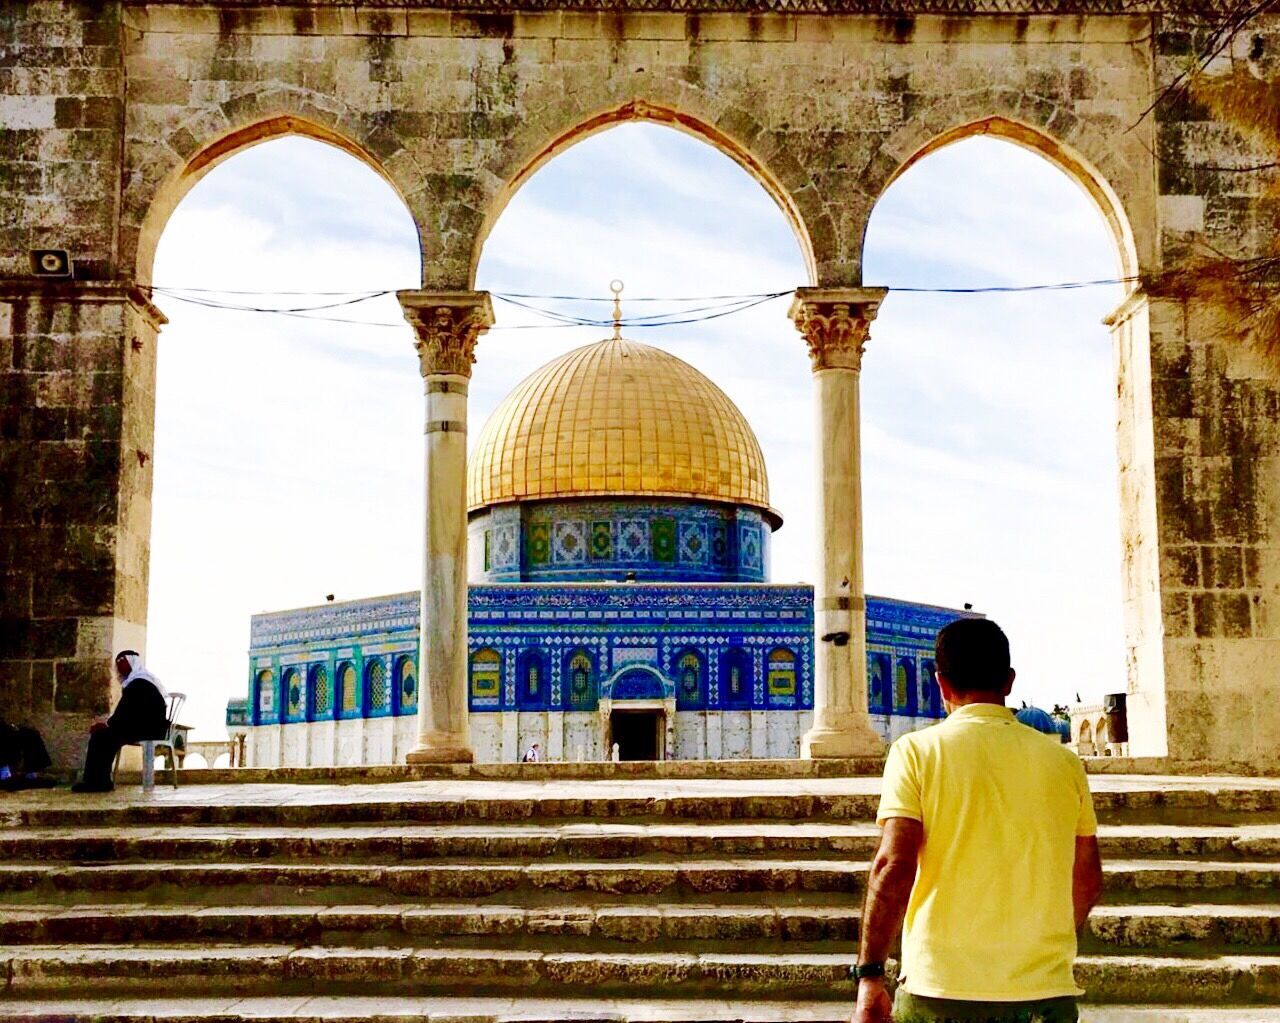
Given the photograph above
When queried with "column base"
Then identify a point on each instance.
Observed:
(850, 739)
(437, 748)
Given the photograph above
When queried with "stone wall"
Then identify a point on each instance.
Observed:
(113, 110)
(77, 378)
(1216, 439)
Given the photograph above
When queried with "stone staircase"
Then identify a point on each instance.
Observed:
(664, 901)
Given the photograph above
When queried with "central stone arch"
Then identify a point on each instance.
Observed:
(730, 130)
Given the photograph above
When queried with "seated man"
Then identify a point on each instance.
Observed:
(142, 713)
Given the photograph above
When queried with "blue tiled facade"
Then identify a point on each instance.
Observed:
(611, 540)
(592, 619)
(566, 647)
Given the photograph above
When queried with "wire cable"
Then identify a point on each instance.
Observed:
(714, 307)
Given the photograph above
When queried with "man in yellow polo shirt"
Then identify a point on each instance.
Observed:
(989, 852)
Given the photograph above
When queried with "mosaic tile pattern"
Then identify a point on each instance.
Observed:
(590, 540)
(633, 540)
(407, 683)
(321, 693)
(569, 543)
(294, 695)
(378, 687)
(602, 541)
(694, 548)
(750, 546)
(688, 637)
(506, 546)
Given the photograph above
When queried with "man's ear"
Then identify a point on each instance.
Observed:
(944, 684)
(1008, 686)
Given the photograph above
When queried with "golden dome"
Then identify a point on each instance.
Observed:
(616, 419)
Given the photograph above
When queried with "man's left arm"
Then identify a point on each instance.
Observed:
(893, 873)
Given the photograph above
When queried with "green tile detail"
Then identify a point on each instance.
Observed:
(539, 543)
(601, 541)
(663, 534)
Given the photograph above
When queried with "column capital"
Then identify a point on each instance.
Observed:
(447, 325)
(835, 323)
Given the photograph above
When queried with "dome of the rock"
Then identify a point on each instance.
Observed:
(618, 419)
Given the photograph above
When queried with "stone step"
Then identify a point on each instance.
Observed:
(1182, 881)
(441, 841)
(519, 926)
(1119, 799)
(238, 882)
(292, 969)
(399, 1009)
(569, 926)
(568, 840)
(520, 1009)
(1177, 928)
(173, 810)
(1171, 881)
(80, 971)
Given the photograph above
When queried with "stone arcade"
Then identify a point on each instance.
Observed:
(113, 109)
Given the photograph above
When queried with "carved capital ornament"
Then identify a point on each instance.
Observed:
(447, 326)
(835, 324)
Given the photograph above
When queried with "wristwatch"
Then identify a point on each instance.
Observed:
(869, 971)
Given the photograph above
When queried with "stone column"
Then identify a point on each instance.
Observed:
(447, 325)
(834, 323)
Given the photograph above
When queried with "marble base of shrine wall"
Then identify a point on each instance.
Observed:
(504, 737)
(345, 743)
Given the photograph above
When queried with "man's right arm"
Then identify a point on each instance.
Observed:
(1086, 877)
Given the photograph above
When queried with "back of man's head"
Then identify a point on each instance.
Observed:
(973, 653)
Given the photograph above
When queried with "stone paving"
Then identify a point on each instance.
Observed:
(648, 899)
(305, 1009)
(264, 793)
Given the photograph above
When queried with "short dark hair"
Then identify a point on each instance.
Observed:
(974, 655)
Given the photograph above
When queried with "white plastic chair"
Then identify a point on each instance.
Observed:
(152, 746)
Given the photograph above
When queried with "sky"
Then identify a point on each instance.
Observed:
(288, 453)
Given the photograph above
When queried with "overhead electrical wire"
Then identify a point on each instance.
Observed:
(713, 307)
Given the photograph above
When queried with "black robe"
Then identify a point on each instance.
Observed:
(141, 714)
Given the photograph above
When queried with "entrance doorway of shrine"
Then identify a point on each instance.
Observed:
(638, 734)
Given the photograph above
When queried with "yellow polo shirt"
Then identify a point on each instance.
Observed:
(990, 917)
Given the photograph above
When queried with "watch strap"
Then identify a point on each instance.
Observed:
(869, 971)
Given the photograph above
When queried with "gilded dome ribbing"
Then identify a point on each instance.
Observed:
(617, 419)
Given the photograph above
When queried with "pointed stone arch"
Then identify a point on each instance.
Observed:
(1114, 171)
(168, 171)
(917, 139)
(732, 131)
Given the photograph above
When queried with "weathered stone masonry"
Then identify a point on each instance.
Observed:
(111, 110)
